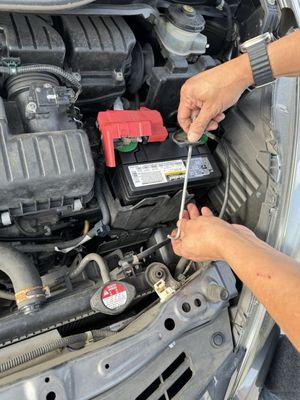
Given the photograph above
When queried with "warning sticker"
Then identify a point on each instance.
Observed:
(114, 295)
(167, 171)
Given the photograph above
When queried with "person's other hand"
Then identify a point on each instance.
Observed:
(205, 96)
(201, 236)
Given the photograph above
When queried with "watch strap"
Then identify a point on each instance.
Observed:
(260, 64)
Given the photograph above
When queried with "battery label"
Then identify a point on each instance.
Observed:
(168, 171)
(114, 295)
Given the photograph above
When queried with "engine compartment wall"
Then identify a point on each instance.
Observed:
(254, 169)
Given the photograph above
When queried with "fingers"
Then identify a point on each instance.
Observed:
(214, 123)
(206, 212)
(184, 116)
(200, 124)
(212, 126)
(193, 211)
(181, 224)
(177, 246)
(188, 115)
(219, 117)
(186, 215)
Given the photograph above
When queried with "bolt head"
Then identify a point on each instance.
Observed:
(217, 339)
(224, 295)
(189, 10)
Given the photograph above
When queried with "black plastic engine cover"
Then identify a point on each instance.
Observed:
(30, 38)
(97, 43)
(99, 48)
(40, 171)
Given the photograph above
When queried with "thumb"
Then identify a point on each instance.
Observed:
(200, 124)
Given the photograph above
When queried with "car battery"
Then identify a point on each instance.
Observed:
(156, 168)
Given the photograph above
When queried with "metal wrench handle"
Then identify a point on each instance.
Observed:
(186, 179)
(184, 190)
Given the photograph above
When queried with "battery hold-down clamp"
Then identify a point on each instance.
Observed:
(131, 125)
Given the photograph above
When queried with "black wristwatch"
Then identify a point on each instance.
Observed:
(259, 58)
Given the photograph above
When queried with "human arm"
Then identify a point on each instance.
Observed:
(205, 96)
(273, 277)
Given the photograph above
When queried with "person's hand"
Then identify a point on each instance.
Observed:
(205, 96)
(201, 236)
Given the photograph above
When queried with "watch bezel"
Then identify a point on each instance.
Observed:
(266, 37)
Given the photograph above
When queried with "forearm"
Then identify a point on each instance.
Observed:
(284, 55)
(273, 277)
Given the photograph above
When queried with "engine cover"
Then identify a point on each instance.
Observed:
(44, 170)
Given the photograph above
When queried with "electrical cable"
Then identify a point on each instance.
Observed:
(143, 254)
(224, 147)
(102, 203)
(227, 180)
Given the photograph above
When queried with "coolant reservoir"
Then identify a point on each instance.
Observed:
(179, 31)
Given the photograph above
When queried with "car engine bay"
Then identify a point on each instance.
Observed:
(91, 178)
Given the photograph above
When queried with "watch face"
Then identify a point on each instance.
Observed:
(265, 37)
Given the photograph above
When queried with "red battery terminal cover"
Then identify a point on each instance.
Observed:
(119, 124)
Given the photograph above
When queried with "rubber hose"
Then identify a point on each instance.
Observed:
(181, 266)
(51, 69)
(104, 271)
(102, 202)
(229, 21)
(152, 249)
(227, 180)
(224, 147)
(7, 295)
(23, 275)
(42, 350)
(229, 26)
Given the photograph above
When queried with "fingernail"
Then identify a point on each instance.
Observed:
(193, 137)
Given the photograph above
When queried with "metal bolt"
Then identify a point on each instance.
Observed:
(224, 295)
(31, 107)
(188, 9)
(5, 218)
(217, 339)
(47, 230)
(119, 77)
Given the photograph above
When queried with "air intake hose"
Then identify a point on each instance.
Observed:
(51, 69)
(26, 281)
